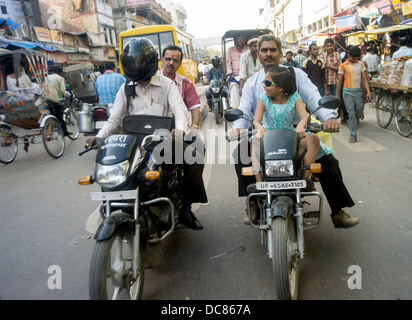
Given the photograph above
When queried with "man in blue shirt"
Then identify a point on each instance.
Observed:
(331, 178)
(289, 62)
(216, 73)
(108, 84)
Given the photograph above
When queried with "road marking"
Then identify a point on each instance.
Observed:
(363, 144)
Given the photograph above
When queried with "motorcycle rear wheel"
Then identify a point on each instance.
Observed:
(110, 276)
(284, 258)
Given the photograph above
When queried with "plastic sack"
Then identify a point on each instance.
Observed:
(407, 75)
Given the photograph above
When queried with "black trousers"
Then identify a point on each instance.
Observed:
(57, 111)
(191, 161)
(331, 179)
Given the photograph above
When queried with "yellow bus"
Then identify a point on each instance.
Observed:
(163, 36)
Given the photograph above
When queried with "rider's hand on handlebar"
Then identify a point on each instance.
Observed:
(91, 142)
(332, 125)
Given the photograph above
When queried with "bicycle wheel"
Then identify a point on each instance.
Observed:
(285, 258)
(384, 109)
(72, 123)
(110, 275)
(8, 145)
(403, 115)
(53, 138)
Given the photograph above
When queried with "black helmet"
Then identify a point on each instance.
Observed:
(216, 61)
(139, 59)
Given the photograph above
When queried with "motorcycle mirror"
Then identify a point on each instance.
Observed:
(233, 115)
(330, 102)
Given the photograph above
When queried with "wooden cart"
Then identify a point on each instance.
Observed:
(393, 102)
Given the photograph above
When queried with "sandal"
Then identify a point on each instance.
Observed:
(352, 140)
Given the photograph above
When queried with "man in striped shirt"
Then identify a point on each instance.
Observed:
(108, 84)
(351, 75)
(332, 62)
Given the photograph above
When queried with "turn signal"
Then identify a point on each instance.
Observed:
(316, 168)
(84, 181)
(152, 175)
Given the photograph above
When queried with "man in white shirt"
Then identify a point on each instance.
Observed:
(148, 93)
(403, 50)
(249, 62)
(371, 60)
(331, 178)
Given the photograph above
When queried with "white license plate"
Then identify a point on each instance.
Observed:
(112, 196)
(281, 185)
(100, 124)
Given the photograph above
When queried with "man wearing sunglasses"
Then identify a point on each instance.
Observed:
(270, 52)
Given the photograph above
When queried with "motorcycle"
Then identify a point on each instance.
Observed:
(219, 103)
(141, 197)
(282, 221)
(93, 118)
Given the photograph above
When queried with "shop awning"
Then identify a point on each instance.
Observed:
(15, 44)
(390, 29)
(348, 22)
(14, 25)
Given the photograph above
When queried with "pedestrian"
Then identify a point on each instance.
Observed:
(108, 84)
(289, 62)
(403, 50)
(352, 76)
(233, 68)
(371, 60)
(249, 63)
(316, 70)
(331, 178)
(172, 59)
(332, 62)
(300, 57)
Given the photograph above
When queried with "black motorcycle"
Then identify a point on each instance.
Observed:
(141, 197)
(219, 103)
(279, 197)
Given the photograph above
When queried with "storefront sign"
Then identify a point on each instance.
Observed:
(368, 10)
(388, 6)
(42, 34)
(56, 36)
(136, 2)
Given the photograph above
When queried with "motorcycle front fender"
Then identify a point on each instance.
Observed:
(282, 207)
(117, 223)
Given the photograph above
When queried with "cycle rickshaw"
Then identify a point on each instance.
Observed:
(24, 116)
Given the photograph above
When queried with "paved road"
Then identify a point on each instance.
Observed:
(48, 220)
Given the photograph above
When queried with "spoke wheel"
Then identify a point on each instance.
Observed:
(403, 115)
(384, 110)
(285, 258)
(111, 270)
(72, 123)
(53, 138)
(8, 145)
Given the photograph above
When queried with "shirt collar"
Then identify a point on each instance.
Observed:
(109, 71)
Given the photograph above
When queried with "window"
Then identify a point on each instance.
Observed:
(3, 9)
(161, 40)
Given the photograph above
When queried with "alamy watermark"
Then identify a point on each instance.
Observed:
(355, 281)
(55, 280)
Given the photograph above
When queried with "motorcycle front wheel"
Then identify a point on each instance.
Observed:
(285, 258)
(218, 114)
(110, 275)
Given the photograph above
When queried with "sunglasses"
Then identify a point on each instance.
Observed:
(268, 83)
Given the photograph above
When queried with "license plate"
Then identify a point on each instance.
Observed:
(281, 185)
(112, 196)
(100, 124)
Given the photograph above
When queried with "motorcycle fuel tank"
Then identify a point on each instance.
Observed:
(279, 144)
(116, 149)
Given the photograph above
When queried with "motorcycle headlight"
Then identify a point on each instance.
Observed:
(112, 176)
(279, 169)
(215, 90)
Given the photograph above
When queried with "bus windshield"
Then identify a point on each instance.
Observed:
(160, 40)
